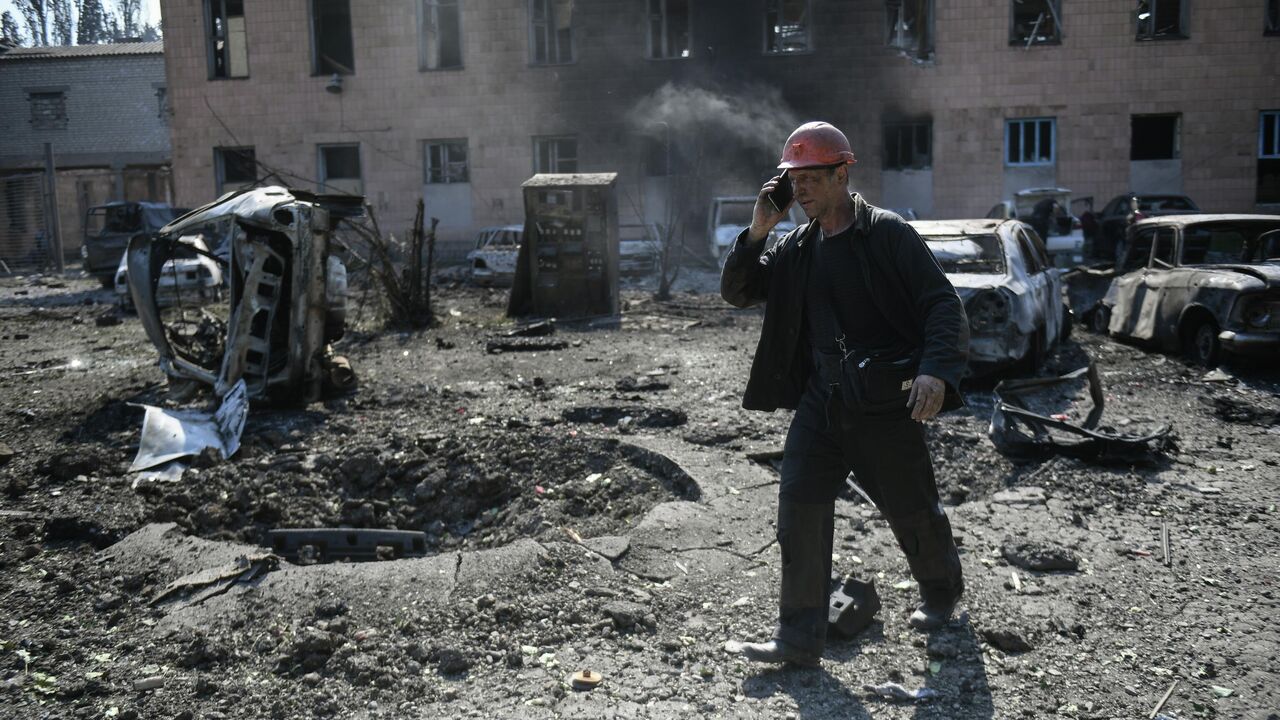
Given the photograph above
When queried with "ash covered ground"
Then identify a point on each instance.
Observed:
(604, 506)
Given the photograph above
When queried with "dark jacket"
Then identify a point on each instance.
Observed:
(907, 283)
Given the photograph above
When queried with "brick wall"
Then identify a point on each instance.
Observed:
(1092, 82)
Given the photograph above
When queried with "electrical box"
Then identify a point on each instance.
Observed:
(568, 263)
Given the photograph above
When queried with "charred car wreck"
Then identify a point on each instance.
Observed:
(286, 294)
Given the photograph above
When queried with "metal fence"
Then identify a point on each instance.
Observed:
(24, 232)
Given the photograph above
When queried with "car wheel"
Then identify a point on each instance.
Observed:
(1100, 319)
(1200, 341)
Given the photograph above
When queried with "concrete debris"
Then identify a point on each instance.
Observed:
(6, 454)
(523, 344)
(894, 691)
(154, 682)
(199, 586)
(1023, 425)
(610, 547)
(1039, 555)
(1006, 639)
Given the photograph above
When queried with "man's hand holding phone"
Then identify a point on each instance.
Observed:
(771, 206)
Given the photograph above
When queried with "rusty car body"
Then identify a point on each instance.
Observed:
(1203, 283)
(286, 299)
(1011, 291)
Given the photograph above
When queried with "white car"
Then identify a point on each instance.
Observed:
(639, 248)
(191, 277)
(493, 261)
(1065, 237)
(729, 216)
(1011, 292)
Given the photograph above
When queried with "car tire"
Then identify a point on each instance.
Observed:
(1200, 341)
(1100, 320)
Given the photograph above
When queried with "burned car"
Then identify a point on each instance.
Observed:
(1048, 210)
(109, 228)
(1011, 291)
(286, 296)
(1209, 284)
(1112, 221)
(191, 276)
(493, 261)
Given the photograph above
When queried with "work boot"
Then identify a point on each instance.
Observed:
(925, 537)
(804, 536)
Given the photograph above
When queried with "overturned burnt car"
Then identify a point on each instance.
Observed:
(1202, 283)
(1011, 291)
(286, 298)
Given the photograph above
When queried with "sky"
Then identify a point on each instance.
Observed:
(150, 11)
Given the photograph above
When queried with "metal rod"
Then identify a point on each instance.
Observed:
(1156, 710)
(1164, 542)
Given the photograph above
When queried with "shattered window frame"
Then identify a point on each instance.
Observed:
(549, 155)
(48, 108)
(1141, 151)
(335, 41)
(550, 44)
(917, 45)
(327, 178)
(1268, 186)
(239, 158)
(781, 36)
(1271, 26)
(1153, 17)
(1015, 141)
(226, 40)
(903, 140)
(433, 17)
(441, 162)
(1027, 30)
(663, 39)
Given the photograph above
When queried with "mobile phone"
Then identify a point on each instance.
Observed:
(781, 196)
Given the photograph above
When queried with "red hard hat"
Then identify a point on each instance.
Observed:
(816, 144)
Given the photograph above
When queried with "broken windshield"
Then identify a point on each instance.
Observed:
(968, 253)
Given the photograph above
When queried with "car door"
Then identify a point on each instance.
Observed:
(1125, 296)
(1154, 287)
(1044, 285)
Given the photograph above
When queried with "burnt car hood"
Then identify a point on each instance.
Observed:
(1267, 274)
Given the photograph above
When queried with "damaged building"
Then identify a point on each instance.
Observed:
(949, 109)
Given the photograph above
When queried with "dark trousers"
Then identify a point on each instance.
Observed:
(890, 460)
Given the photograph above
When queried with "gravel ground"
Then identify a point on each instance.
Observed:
(605, 506)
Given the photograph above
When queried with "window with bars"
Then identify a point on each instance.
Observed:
(1036, 22)
(1029, 141)
(786, 26)
(446, 162)
(550, 32)
(440, 26)
(669, 29)
(234, 168)
(1269, 157)
(1162, 19)
(908, 146)
(555, 154)
(331, 37)
(910, 24)
(48, 110)
(227, 39)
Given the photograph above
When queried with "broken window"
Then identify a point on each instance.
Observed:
(668, 29)
(551, 31)
(1029, 142)
(227, 39)
(331, 39)
(48, 109)
(1162, 251)
(911, 27)
(446, 162)
(340, 169)
(441, 28)
(1154, 137)
(786, 26)
(1269, 157)
(908, 146)
(555, 155)
(1036, 22)
(234, 168)
(1162, 19)
(1273, 18)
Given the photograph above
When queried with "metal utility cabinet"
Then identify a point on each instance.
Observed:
(568, 264)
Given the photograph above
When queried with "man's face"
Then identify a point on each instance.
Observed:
(818, 189)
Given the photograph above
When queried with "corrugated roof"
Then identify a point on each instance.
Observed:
(155, 47)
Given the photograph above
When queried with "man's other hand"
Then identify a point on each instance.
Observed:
(926, 397)
(765, 217)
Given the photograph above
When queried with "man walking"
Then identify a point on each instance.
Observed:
(865, 338)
